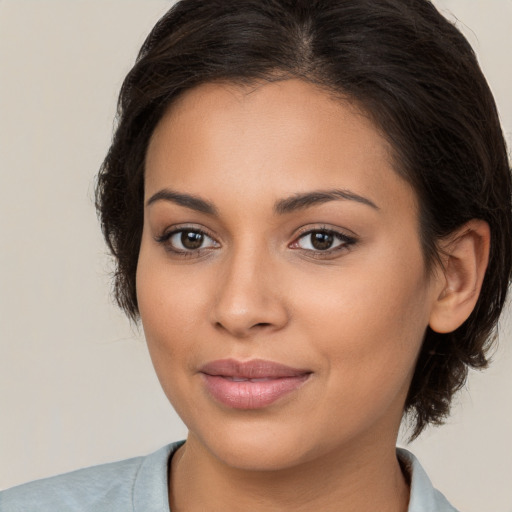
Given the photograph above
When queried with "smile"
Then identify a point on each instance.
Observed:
(242, 379)
(251, 385)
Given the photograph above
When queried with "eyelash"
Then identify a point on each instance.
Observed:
(345, 242)
(165, 240)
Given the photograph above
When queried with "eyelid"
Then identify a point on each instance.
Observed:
(170, 231)
(341, 234)
(308, 228)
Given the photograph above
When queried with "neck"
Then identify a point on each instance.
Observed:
(352, 480)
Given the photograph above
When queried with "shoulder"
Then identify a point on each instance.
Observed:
(424, 497)
(78, 490)
(128, 485)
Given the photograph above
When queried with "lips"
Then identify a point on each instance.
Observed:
(251, 384)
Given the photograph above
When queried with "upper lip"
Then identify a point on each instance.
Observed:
(253, 369)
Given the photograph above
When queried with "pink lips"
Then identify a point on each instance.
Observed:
(251, 385)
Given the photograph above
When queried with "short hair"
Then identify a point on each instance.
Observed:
(407, 67)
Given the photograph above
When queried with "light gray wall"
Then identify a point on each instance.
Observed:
(76, 384)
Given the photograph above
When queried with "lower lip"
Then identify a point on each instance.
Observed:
(250, 394)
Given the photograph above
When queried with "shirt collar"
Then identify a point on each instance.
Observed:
(424, 497)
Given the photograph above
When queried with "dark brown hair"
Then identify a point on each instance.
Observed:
(406, 66)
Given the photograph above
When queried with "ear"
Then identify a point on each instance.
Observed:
(465, 254)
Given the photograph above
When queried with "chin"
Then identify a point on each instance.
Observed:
(263, 448)
(259, 455)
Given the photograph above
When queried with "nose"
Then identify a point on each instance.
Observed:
(249, 299)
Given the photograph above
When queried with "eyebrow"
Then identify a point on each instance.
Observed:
(187, 200)
(303, 201)
(283, 206)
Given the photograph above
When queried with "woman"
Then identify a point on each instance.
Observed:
(309, 204)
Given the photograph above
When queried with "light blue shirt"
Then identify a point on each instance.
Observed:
(140, 485)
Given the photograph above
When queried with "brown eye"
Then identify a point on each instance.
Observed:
(191, 239)
(322, 240)
(184, 241)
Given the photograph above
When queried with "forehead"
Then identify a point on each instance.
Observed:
(289, 136)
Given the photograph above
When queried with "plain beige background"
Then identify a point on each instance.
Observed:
(76, 383)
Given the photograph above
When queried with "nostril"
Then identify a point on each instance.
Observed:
(259, 325)
(245, 315)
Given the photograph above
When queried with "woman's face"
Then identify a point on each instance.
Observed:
(281, 282)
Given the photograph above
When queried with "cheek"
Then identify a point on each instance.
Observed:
(169, 309)
(368, 321)
(170, 306)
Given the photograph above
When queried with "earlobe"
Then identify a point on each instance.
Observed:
(465, 255)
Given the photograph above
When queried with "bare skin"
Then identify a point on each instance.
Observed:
(233, 266)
